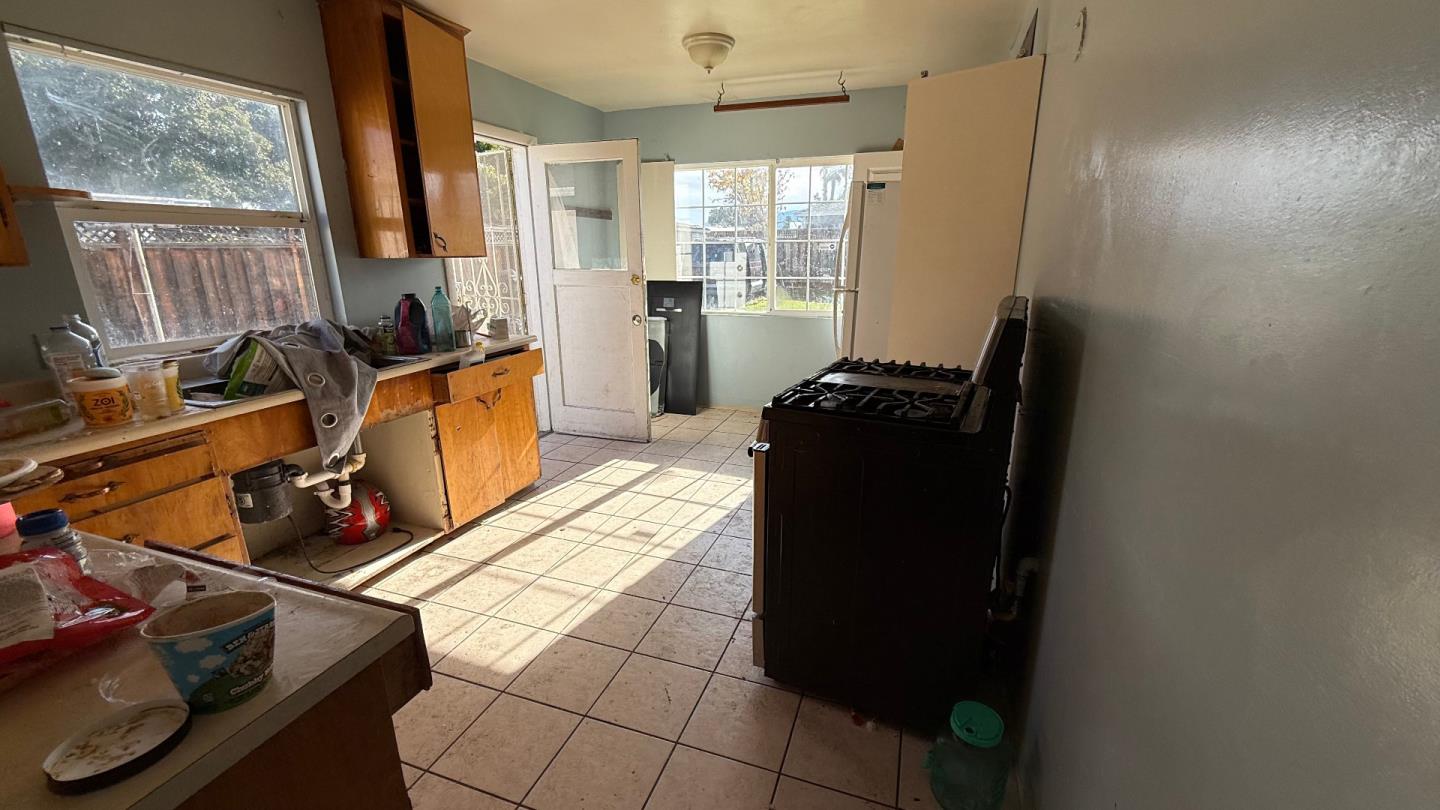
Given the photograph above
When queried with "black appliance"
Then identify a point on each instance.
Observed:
(880, 494)
(679, 303)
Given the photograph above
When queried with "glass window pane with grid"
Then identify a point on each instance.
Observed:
(722, 235)
(199, 225)
(492, 284)
(809, 214)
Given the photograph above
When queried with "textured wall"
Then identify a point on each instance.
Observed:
(1232, 243)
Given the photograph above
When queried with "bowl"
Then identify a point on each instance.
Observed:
(218, 650)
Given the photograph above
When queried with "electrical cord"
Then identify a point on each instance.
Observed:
(300, 538)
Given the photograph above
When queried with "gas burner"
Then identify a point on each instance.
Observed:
(890, 391)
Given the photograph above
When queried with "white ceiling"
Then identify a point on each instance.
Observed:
(622, 54)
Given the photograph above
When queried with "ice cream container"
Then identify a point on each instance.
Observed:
(218, 650)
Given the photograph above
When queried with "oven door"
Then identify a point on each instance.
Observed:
(758, 451)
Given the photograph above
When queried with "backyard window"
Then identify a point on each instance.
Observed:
(762, 236)
(198, 227)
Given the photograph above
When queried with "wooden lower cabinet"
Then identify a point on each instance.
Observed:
(490, 448)
(198, 516)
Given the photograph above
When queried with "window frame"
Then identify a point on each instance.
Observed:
(772, 252)
(292, 112)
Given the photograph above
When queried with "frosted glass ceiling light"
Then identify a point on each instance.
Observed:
(708, 49)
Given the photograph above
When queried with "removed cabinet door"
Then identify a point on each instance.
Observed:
(440, 91)
(968, 138)
(470, 453)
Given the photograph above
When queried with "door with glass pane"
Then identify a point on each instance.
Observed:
(586, 198)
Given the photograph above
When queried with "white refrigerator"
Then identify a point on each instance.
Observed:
(865, 261)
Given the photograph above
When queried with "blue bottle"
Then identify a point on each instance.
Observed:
(443, 335)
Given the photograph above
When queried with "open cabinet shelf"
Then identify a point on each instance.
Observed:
(373, 557)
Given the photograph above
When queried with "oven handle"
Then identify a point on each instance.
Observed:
(758, 451)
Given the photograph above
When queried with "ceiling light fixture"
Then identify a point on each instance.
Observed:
(708, 49)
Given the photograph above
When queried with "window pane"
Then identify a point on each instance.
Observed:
(750, 222)
(826, 219)
(687, 225)
(792, 221)
(720, 261)
(719, 186)
(752, 186)
(156, 283)
(792, 259)
(689, 261)
(829, 183)
(719, 224)
(790, 293)
(792, 184)
(753, 256)
(822, 260)
(126, 136)
(821, 296)
(687, 187)
(585, 215)
(756, 299)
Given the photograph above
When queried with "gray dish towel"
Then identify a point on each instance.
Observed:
(317, 357)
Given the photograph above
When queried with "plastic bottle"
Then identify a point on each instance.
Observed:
(970, 767)
(412, 328)
(444, 331)
(67, 355)
(385, 336)
(78, 325)
(51, 527)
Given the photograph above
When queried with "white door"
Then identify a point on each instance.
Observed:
(586, 198)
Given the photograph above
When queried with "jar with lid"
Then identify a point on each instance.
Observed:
(51, 528)
(970, 766)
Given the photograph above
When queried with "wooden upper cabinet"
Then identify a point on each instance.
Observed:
(403, 102)
(440, 92)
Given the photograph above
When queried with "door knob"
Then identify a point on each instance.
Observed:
(635, 279)
(636, 319)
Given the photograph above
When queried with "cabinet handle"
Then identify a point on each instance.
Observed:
(440, 240)
(109, 487)
(500, 372)
(212, 541)
(129, 538)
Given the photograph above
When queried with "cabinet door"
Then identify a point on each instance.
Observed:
(470, 453)
(440, 92)
(519, 435)
(198, 516)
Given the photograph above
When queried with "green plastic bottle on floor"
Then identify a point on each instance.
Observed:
(969, 767)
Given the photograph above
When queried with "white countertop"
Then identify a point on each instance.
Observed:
(320, 643)
(91, 440)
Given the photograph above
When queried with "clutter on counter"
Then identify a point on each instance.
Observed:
(201, 666)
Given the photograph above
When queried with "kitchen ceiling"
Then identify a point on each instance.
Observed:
(626, 53)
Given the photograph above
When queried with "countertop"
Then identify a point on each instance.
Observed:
(321, 642)
(90, 440)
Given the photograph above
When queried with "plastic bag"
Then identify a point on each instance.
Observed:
(81, 610)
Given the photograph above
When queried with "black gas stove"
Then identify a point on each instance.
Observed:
(879, 502)
(896, 391)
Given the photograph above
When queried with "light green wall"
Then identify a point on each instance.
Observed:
(505, 101)
(695, 133)
(746, 359)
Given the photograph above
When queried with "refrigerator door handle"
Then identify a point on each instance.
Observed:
(758, 452)
(847, 270)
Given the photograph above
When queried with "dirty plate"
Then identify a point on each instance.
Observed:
(117, 746)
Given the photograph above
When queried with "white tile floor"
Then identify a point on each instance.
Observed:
(591, 648)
